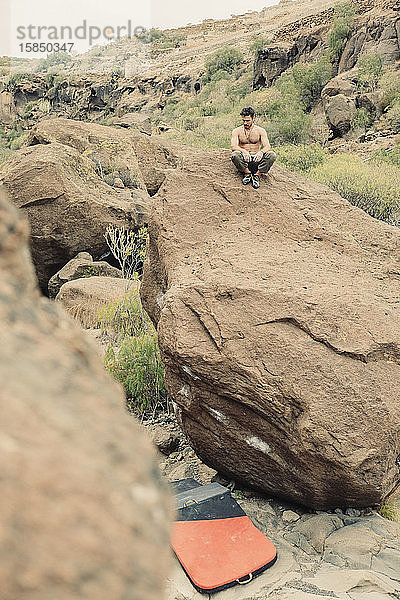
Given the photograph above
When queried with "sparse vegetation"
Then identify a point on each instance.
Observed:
(4, 147)
(128, 247)
(342, 21)
(373, 186)
(56, 59)
(16, 78)
(393, 116)
(392, 156)
(362, 119)
(303, 157)
(137, 366)
(305, 81)
(259, 42)
(226, 59)
(125, 317)
(134, 357)
(161, 40)
(389, 85)
(391, 510)
(370, 69)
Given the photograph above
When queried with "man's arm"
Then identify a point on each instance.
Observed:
(235, 145)
(235, 141)
(265, 145)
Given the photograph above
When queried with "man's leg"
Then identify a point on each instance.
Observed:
(266, 162)
(239, 162)
(242, 166)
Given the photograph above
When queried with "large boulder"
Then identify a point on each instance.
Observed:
(68, 205)
(109, 148)
(340, 111)
(137, 120)
(129, 155)
(156, 158)
(82, 265)
(278, 320)
(85, 298)
(345, 84)
(82, 504)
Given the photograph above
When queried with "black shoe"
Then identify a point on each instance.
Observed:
(255, 182)
(246, 178)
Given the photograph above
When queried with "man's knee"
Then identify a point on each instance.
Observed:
(236, 155)
(238, 161)
(270, 155)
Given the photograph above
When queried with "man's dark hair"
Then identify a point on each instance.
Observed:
(248, 112)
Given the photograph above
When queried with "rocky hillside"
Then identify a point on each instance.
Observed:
(128, 80)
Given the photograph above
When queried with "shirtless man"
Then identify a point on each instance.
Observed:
(247, 155)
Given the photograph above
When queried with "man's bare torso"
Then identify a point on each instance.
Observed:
(249, 140)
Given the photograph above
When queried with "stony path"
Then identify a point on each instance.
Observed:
(351, 555)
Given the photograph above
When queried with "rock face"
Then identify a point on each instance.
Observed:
(82, 265)
(68, 205)
(278, 321)
(82, 505)
(83, 298)
(378, 34)
(7, 108)
(274, 60)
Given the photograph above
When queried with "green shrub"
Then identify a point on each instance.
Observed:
(305, 81)
(226, 59)
(392, 157)
(17, 138)
(389, 85)
(342, 21)
(154, 35)
(28, 110)
(15, 79)
(171, 41)
(370, 70)
(373, 186)
(4, 154)
(134, 357)
(291, 125)
(303, 157)
(125, 317)
(54, 60)
(259, 42)
(137, 366)
(393, 116)
(391, 510)
(128, 247)
(362, 119)
(18, 142)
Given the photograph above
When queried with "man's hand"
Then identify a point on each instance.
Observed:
(258, 156)
(246, 155)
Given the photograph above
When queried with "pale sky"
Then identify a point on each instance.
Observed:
(17, 15)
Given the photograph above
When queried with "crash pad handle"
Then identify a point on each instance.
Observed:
(189, 502)
(249, 576)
